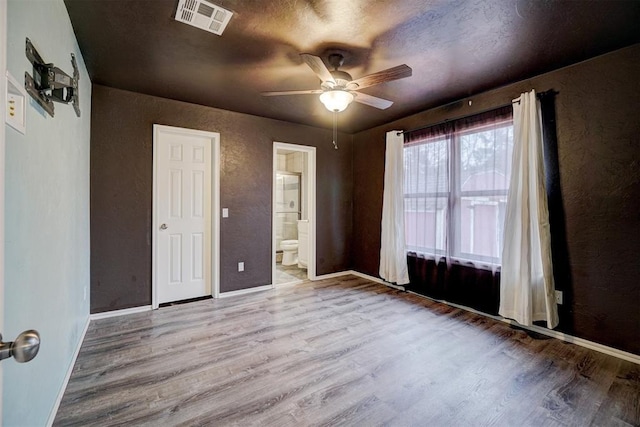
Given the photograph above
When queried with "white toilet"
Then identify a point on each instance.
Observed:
(289, 252)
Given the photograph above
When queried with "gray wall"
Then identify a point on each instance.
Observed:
(598, 149)
(46, 219)
(121, 183)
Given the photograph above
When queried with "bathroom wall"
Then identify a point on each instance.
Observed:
(288, 192)
(294, 162)
(291, 162)
(298, 162)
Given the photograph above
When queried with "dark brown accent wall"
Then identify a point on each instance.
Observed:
(598, 134)
(121, 193)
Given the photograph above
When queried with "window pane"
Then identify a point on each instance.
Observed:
(426, 167)
(481, 223)
(425, 222)
(485, 159)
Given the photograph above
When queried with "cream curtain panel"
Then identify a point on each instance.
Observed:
(527, 290)
(393, 254)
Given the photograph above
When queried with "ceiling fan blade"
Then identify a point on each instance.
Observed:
(318, 67)
(372, 101)
(395, 73)
(292, 92)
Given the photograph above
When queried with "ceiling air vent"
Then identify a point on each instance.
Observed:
(204, 15)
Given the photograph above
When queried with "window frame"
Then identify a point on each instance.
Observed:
(432, 194)
(455, 195)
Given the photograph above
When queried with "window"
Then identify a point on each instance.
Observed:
(456, 179)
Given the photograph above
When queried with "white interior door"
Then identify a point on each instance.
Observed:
(182, 216)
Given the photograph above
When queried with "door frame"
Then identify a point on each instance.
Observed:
(3, 94)
(215, 207)
(311, 205)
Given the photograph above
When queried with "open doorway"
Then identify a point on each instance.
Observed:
(294, 230)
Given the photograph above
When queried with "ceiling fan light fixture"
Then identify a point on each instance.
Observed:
(336, 100)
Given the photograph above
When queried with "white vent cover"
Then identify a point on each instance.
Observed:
(204, 15)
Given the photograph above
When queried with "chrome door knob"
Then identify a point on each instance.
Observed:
(23, 349)
(163, 227)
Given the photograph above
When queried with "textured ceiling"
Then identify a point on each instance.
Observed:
(456, 49)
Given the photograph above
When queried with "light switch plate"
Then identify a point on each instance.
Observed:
(16, 105)
(241, 266)
(225, 212)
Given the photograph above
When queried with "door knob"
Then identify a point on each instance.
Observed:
(163, 227)
(23, 349)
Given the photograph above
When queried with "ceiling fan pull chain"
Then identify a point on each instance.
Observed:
(335, 130)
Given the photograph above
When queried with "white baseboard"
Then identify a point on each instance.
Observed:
(332, 275)
(621, 354)
(123, 312)
(377, 280)
(245, 291)
(361, 275)
(65, 382)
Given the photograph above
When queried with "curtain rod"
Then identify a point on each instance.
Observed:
(550, 92)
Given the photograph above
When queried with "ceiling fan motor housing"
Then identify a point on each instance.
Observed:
(341, 80)
(341, 75)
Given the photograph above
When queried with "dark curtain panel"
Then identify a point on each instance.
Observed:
(557, 224)
(458, 125)
(457, 282)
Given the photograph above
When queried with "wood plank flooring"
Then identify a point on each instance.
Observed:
(343, 351)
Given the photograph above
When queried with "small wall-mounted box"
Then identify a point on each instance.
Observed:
(16, 109)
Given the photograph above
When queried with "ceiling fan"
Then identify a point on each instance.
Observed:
(338, 89)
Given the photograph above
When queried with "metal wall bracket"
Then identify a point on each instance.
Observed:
(49, 83)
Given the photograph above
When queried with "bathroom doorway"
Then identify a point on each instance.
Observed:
(293, 213)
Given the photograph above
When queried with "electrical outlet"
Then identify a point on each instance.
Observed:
(85, 294)
(559, 297)
(241, 266)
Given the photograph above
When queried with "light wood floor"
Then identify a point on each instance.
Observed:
(338, 352)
